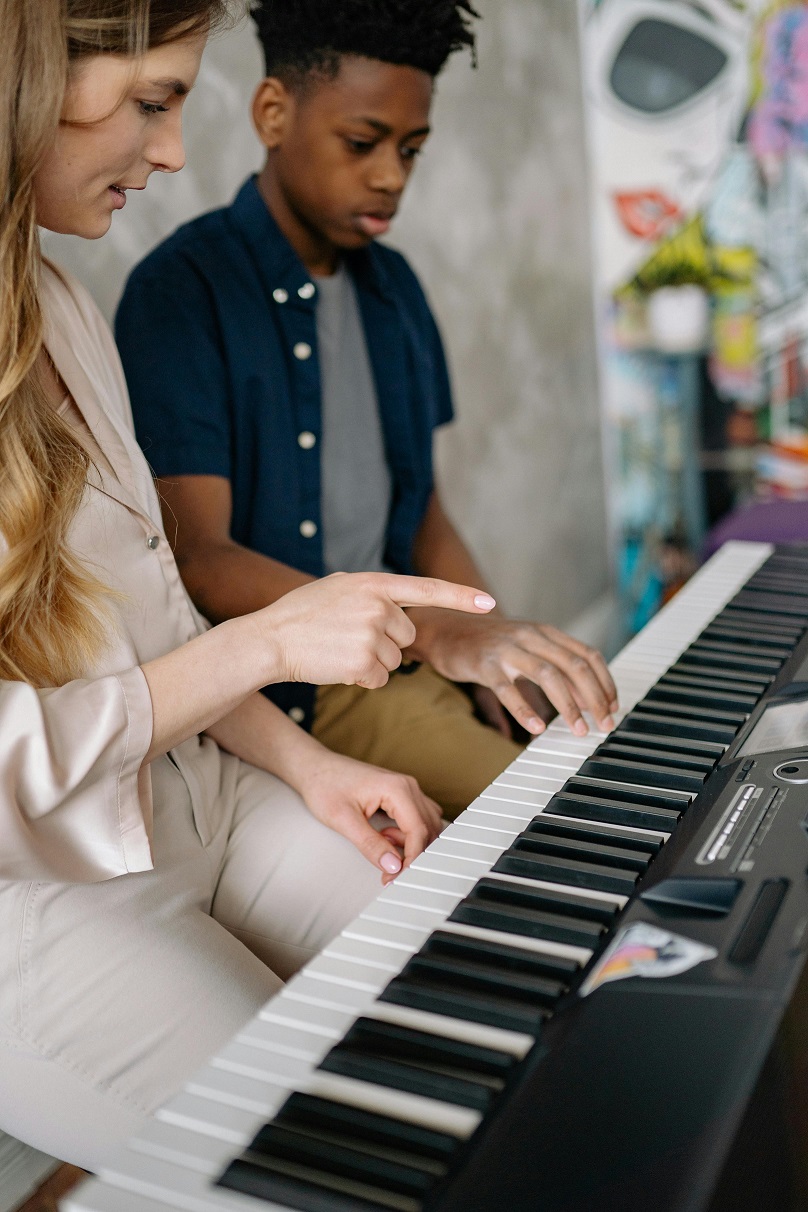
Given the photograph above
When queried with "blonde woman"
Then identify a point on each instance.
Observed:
(171, 846)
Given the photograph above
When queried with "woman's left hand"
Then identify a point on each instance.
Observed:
(344, 794)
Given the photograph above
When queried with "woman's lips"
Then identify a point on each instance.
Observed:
(118, 197)
(374, 225)
(647, 213)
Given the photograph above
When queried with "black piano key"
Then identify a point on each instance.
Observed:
(641, 797)
(735, 634)
(703, 681)
(420, 991)
(514, 919)
(769, 658)
(409, 1078)
(281, 1180)
(696, 715)
(552, 899)
(659, 755)
(774, 603)
(790, 628)
(644, 774)
(499, 956)
(575, 872)
(694, 696)
(590, 831)
(284, 1141)
(465, 974)
(422, 1047)
(611, 811)
(706, 750)
(605, 853)
(367, 1129)
(710, 659)
(669, 725)
(690, 667)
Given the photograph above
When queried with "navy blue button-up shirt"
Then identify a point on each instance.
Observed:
(211, 328)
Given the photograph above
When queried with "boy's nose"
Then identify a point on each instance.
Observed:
(388, 174)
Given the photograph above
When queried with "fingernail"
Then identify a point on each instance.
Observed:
(607, 725)
(615, 706)
(484, 601)
(534, 724)
(580, 728)
(390, 863)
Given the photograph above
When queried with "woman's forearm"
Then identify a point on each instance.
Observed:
(203, 681)
(258, 732)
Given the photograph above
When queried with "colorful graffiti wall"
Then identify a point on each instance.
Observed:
(698, 122)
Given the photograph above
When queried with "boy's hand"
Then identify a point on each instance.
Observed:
(344, 794)
(499, 653)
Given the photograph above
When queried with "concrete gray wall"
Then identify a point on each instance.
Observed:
(496, 223)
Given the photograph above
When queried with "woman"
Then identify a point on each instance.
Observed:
(159, 879)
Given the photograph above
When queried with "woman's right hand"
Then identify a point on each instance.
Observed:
(351, 627)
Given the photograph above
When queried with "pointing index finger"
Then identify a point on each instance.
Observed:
(427, 591)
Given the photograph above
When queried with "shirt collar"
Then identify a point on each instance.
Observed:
(281, 267)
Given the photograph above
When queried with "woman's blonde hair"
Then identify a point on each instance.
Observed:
(51, 607)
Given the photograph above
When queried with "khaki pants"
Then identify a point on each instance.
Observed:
(418, 724)
(112, 994)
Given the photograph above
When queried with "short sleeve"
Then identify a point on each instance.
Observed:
(170, 346)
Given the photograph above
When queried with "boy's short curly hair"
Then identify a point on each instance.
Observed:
(301, 37)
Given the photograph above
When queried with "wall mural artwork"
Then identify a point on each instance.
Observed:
(698, 117)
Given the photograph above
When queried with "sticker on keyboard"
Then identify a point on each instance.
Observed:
(644, 950)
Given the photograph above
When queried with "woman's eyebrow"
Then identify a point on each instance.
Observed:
(173, 86)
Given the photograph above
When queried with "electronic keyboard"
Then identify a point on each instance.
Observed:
(567, 1001)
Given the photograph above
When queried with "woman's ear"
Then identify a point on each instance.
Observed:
(270, 111)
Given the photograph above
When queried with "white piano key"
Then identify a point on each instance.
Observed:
(493, 806)
(405, 938)
(477, 817)
(608, 898)
(208, 1117)
(435, 881)
(344, 972)
(261, 1064)
(375, 955)
(403, 915)
(412, 1108)
(308, 990)
(516, 795)
(246, 1093)
(629, 830)
(304, 1045)
(470, 851)
(95, 1196)
(441, 900)
(479, 836)
(319, 1020)
(451, 863)
(579, 955)
(187, 1148)
(513, 1042)
(178, 1186)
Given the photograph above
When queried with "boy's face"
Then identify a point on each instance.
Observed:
(341, 150)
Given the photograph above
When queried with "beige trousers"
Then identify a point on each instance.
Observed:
(112, 994)
(418, 724)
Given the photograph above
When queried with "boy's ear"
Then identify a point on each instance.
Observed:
(270, 111)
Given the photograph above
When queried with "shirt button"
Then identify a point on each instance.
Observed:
(297, 714)
(302, 351)
(307, 290)
(308, 529)
(280, 295)
(306, 440)
(153, 542)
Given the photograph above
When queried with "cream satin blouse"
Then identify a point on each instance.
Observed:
(75, 798)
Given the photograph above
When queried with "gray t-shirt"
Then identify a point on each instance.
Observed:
(355, 480)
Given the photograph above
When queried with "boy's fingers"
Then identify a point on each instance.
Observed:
(427, 591)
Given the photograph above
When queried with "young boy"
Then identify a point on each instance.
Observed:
(286, 377)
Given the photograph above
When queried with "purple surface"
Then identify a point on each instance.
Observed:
(761, 522)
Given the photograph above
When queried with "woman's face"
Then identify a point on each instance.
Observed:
(121, 121)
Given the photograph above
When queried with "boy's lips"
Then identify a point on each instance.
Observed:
(374, 224)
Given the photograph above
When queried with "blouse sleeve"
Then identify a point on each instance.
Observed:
(75, 802)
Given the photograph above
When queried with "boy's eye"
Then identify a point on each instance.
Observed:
(411, 153)
(360, 145)
(151, 107)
